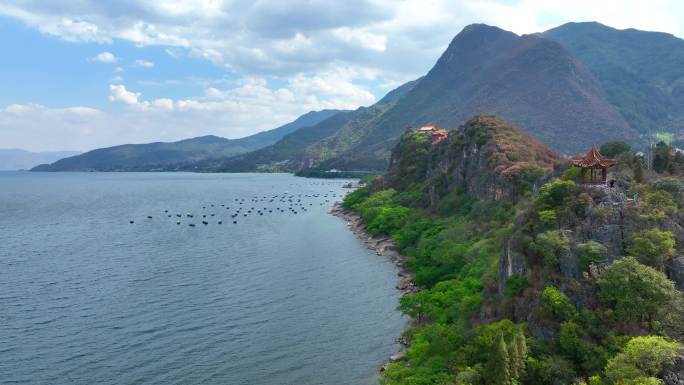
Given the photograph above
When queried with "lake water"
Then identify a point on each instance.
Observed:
(279, 298)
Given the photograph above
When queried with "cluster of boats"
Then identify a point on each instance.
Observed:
(285, 203)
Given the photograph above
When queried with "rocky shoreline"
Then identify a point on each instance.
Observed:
(381, 245)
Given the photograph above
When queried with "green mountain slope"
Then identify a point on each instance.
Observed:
(177, 155)
(528, 80)
(641, 72)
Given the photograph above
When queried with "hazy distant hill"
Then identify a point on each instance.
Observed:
(16, 159)
(306, 147)
(175, 155)
(641, 72)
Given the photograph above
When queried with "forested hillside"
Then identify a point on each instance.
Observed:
(526, 276)
(642, 72)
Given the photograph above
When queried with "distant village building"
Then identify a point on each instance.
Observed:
(591, 164)
(436, 133)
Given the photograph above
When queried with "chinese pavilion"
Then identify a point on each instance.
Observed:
(436, 134)
(591, 164)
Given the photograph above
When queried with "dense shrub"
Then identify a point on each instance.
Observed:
(446, 302)
(548, 218)
(516, 284)
(590, 252)
(550, 370)
(634, 290)
(557, 304)
(641, 360)
(614, 148)
(554, 194)
(549, 245)
(652, 247)
(674, 186)
(659, 204)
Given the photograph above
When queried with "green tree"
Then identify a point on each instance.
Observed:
(634, 290)
(467, 376)
(638, 169)
(590, 252)
(549, 370)
(516, 284)
(548, 218)
(659, 204)
(554, 193)
(641, 360)
(549, 245)
(662, 157)
(614, 148)
(670, 184)
(518, 355)
(557, 304)
(652, 247)
(498, 367)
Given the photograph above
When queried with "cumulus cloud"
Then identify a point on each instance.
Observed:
(119, 93)
(321, 54)
(254, 97)
(250, 106)
(105, 57)
(403, 37)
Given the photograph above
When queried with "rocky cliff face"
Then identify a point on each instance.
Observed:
(486, 157)
(674, 375)
(608, 218)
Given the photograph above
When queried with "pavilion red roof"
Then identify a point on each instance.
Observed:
(593, 158)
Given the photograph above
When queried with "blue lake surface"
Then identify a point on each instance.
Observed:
(279, 298)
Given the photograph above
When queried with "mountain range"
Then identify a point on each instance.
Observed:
(570, 86)
(179, 155)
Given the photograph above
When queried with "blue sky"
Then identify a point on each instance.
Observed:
(82, 74)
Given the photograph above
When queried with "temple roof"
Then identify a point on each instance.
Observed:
(593, 158)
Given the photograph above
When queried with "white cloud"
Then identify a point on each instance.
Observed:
(321, 54)
(119, 93)
(248, 107)
(255, 97)
(143, 64)
(105, 57)
(285, 38)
